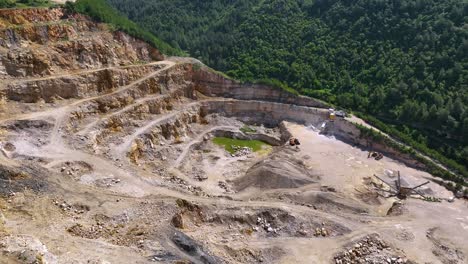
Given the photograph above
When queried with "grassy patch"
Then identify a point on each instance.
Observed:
(228, 143)
(247, 129)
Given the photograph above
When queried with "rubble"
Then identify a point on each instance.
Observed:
(241, 151)
(370, 250)
(321, 231)
(265, 225)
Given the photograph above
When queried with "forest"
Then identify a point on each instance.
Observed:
(23, 3)
(403, 62)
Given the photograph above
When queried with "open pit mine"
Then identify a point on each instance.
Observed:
(111, 152)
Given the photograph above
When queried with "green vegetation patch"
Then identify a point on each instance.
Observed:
(24, 3)
(229, 143)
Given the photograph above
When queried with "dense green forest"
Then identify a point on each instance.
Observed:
(402, 61)
(23, 3)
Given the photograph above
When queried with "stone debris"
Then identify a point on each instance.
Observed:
(265, 225)
(241, 151)
(69, 208)
(321, 231)
(184, 185)
(370, 250)
(223, 185)
(26, 249)
(107, 182)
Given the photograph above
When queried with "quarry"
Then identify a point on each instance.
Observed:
(111, 152)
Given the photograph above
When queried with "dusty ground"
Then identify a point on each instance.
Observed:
(128, 173)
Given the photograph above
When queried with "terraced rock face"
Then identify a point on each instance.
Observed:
(106, 155)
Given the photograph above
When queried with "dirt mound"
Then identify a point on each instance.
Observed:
(371, 249)
(327, 201)
(279, 171)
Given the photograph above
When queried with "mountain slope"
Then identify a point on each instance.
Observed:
(404, 62)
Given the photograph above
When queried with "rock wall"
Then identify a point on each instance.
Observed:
(30, 15)
(348, 132)
(41, 42)
(78, 86)
(268, 113)
(273, 114)
(260, 104)
(212, 84)
(3, 72)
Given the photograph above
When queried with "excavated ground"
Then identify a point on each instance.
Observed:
(107, 157)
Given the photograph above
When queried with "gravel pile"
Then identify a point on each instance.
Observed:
(370, 250)
(241, 151)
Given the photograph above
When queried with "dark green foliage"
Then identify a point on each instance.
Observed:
(103, 12)
(23, 3)
(276, 84)
(402, 61)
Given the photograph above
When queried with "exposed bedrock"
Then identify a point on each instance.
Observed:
(75, 86)
(40, 44)
(213, 84)
(348, 132)
(25, 16)
(192, 248)
(267, 113)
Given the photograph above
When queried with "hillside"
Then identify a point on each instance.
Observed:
(404, 62)
(24, 3)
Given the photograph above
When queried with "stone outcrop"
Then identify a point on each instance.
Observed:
(268, 113)
(42, 42)
(75, 86)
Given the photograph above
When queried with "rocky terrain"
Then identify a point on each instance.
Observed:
(106, 156)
